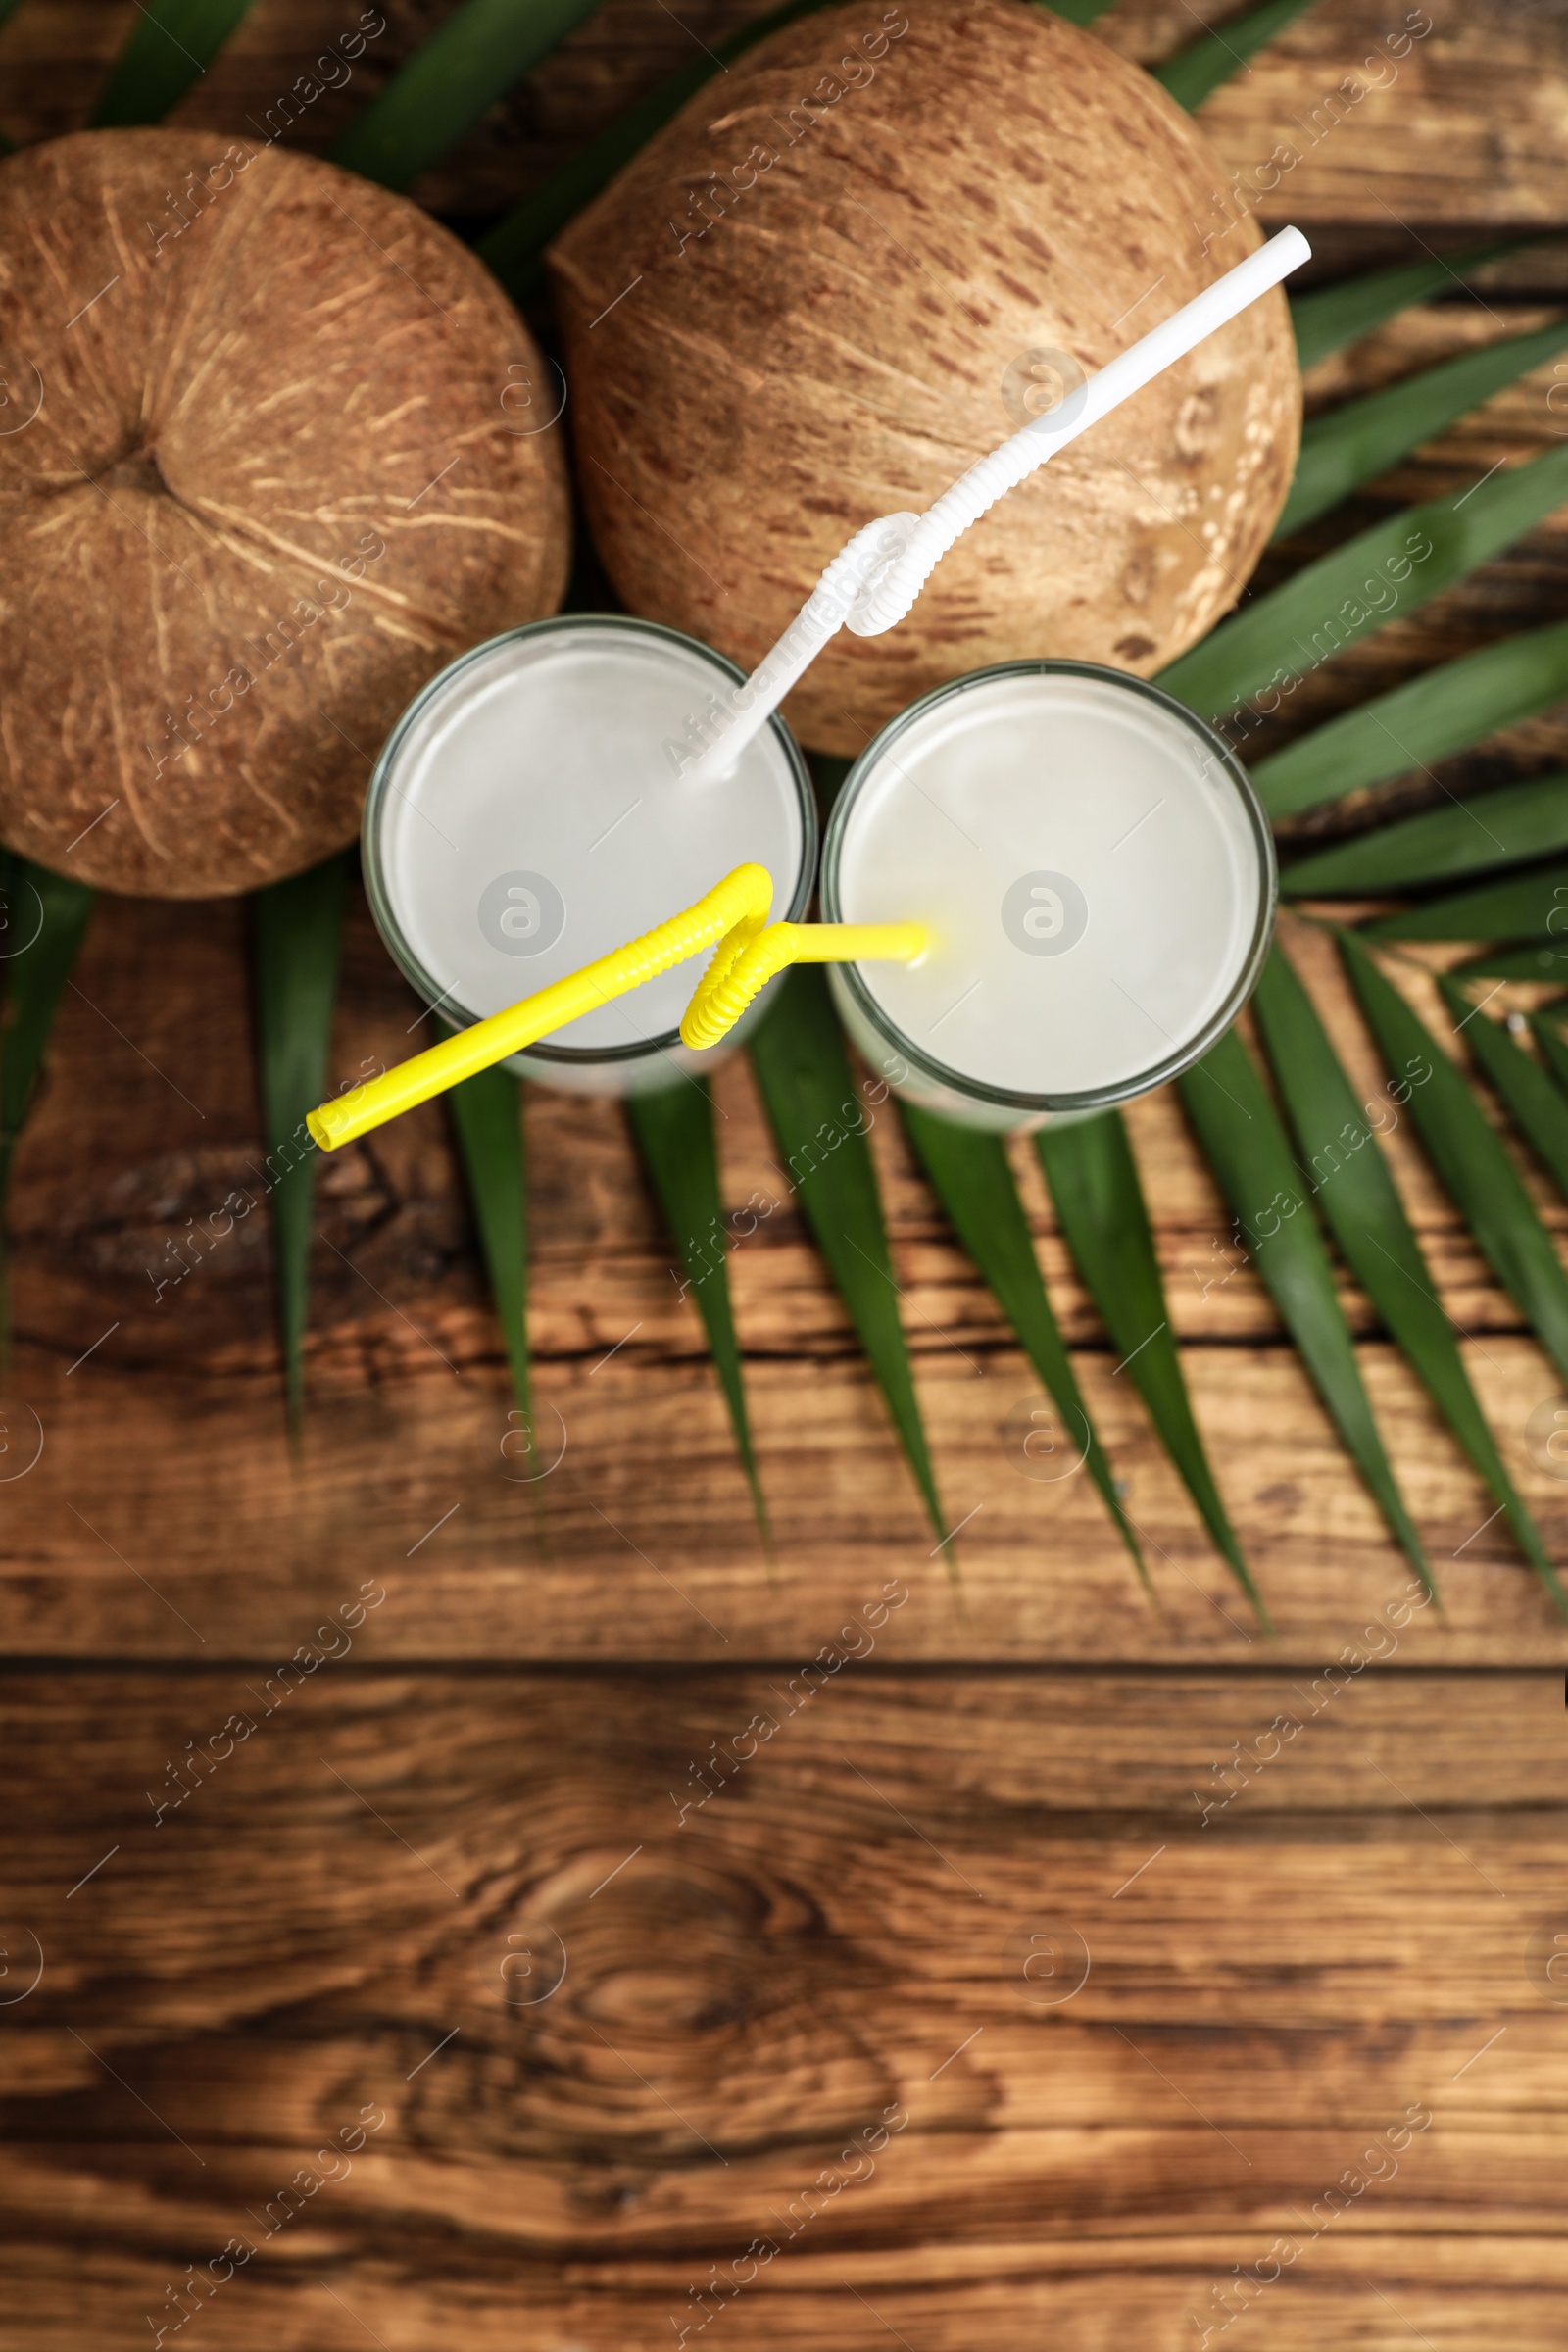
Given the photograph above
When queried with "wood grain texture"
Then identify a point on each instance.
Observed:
(336, 1921)
(326, 1924)
(164, 1513)
(1467, 136)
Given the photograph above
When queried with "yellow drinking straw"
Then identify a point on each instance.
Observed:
(751, 951)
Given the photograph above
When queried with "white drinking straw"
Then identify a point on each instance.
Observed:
(872, 582)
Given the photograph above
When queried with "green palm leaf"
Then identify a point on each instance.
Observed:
(1355, 443)
(970, 1175)
(1466, 837)
(1196, 71)
(1357, 1194)
(296, 930)
(1078, 12)
(808, 1091)
(1249, 1150)
(487, 1112)
(675, 1133)
(1553, 1046)
(1098, 1200)
(1534, 1099)
(1524, 907)
(47, 915)
(170, 44)
(1333, 316)
(1539, 963)
(1442, 711)
(1469, 1157)
(514, 249)
(469, 62)
(1334, 603)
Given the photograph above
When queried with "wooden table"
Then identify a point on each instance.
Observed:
(1040, 1968)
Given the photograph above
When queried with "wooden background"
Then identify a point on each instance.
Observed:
(346, 1917)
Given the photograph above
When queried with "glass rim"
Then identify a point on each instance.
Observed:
(393, 937)
(938, 1073)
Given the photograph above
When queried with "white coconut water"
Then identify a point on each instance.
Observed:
(1092, 871)
(534, 811)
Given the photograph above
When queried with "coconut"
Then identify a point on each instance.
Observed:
(848, 269)
(269, 457)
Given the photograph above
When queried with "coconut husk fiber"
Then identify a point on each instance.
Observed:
(822, 271)
(266, 463)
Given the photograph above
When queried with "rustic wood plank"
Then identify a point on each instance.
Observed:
(164, 1510)
(1462, 128)
(165, 1517)
(1311, 1893)
(141, 1188)
(509, 2313)
(329, 1927)
(1465, 137)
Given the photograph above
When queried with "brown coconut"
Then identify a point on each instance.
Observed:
(795, 311)
(260, 476)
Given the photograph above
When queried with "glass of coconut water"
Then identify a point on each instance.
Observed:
(528, 815)
(1094, 872)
